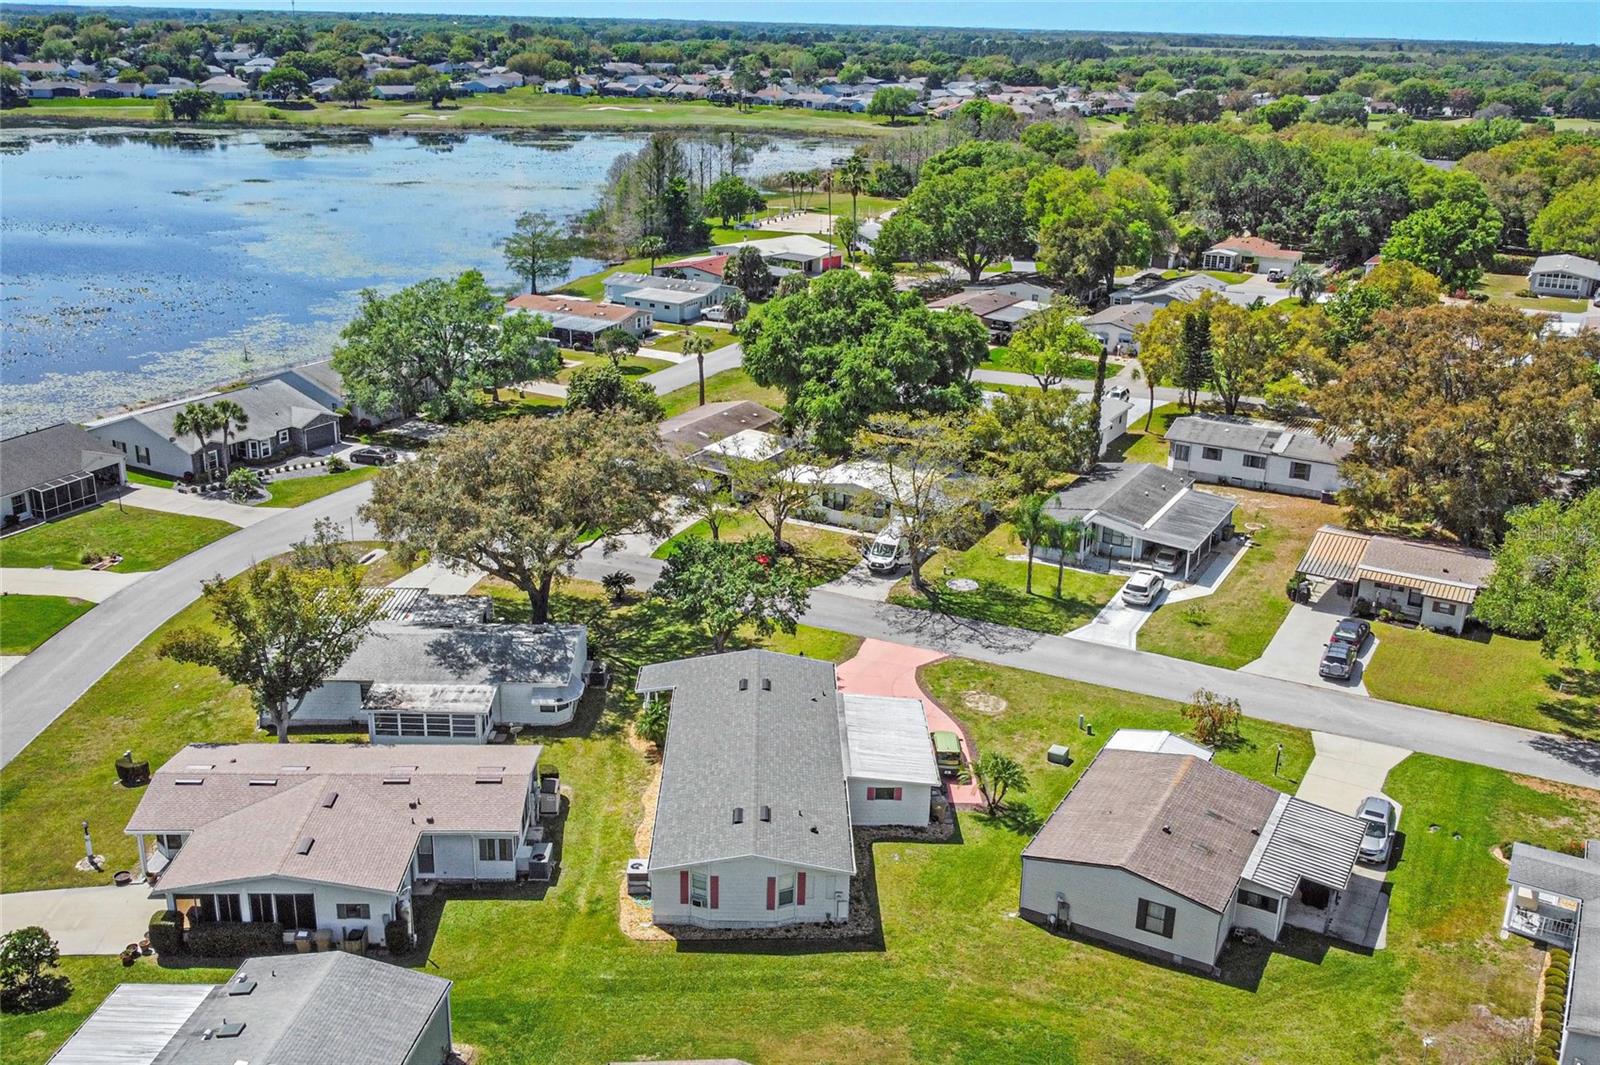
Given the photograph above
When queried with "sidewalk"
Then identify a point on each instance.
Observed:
(91, 920)
(172, 502)
(90, 585)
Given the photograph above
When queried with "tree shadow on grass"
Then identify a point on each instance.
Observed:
(1575, 705)
(45, 991)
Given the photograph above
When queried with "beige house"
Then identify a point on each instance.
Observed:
(1432, 584)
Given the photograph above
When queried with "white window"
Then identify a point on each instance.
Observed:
(141, 455)
(699, 890)
(1155, 918)
(1255, 462)
(786, 890)
(1180, 452)
(495, 850)
(882, 793)
(1211, 454)
(283, 436)
(352, 911)
(19, 504)
(211, 460)
(1299, 471)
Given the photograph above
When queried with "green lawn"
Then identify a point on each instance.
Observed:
(146, 539)
(1001, 596)
(866, 206)
(292, 491)
(722, 387)
(1083, 369)
(956, 977)
(674, 337)
(1499, 678)
(823, 553)
(26, 621)
(1234, 625)
(1503, 289)
(154, 480)
(1137, 445)
(1227, 277)
(632, 366)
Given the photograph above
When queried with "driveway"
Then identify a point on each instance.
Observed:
(1296, 648)
(440, 579)
(1118, 623)
(686, 373)
(1343, 773)
(91, 920)
(90, 585)
(171, 502)
(860, 582)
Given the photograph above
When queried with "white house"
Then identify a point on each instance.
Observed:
(1166, 853)
(855, 495)
(1155, 292)
(1113, 421)
(281, 421)
(746, 445)
(767, 768)
(227, 87)
(1572, 276)
(1132, 510)
(700, 268)
(1554, 900)
(806, 255)
(1114, 326)
(331, 1008)
(1249, 255)
(1249, 454)
(576, 322)
(699, 427)
(54, 471)
(668, 299)
(331, 838)
(433, 671)
(1433, 584)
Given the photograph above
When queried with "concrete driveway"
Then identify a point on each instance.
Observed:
(1117, 624)
(860, 582)
(1296, 648)
(171, 502)
(92, 920)
(90, 585)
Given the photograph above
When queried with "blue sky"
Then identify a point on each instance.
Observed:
(1575, 21)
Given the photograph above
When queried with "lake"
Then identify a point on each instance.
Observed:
(141, 264)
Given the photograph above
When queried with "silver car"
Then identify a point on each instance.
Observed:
(1142, 588)
(1380, 818)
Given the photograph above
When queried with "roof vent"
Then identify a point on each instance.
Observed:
(241, 986)
(738, 815)
(1167, 829)
(490, 774)
(766, 813)
(329, 799)
(744, 684)
(199, 767)
(396, 780)
(264, 782)
(190, 782)
(766, 684)
(229, 1030)
(814, 831)
(304, 846)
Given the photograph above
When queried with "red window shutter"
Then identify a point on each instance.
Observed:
(800, 889)
(897, 793)
(683, 887)
(714, 898)
(772, 893)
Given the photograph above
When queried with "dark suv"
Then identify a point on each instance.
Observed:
(1338, 661)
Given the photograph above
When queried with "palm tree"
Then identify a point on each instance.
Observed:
(852, 178)
(1029, 520)
(734, 309)
(1062, 537)
(697, 344)
(1305, 282)
(653, 247)
(199, 421)
(996, 774)
(231, 419)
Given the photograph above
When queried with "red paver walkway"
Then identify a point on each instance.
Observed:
(883, 668)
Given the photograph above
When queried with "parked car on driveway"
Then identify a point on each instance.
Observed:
(373, 456)
(1165, 559)
(1338, 661)
(1142, 588)
(1352, 631)
(1380, 818)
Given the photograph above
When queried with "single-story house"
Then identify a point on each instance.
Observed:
(1554, 900)
(227, 87)
(1114, 326)
(328, 1008)
(668, 299)
(708, 268)
(855, 495)
(1158, 292)
(1166, 854)
(1433, 584)
(806, 255)
(1133, 509)
(1572, 276)
(1249, 255)
(395, 92)
(328, 837)
(759, 787)
(110, 90)
(695, 429)
(575, 322)
(282, 421)
(54, 471)
(747, 445)
(999, 310)
(1250, 454)
(323, 88)
(51, 89)
(434, 670)
(1113, 421)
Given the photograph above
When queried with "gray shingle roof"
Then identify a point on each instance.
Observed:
(269, 405)
(776, 743)
(542, 655)
(1575, 265)
(28, 459)
(1575, 878)
(694, 429)
(1161, 503)
(1175, 820)
(1255, 438)
(331, 1008)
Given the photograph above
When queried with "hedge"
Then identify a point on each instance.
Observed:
(165, 936)
(233, 939)
(396, 936)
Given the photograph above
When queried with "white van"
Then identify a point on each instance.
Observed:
(889, 551)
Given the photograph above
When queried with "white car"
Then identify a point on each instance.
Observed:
(1165, 559)
(1142, 588)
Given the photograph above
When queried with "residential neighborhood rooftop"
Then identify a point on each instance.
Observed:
(1256, 438)
(1444, 571)
(43, 455)
(702, 426)
(1576, 265)
(888, 738)
(272, 402)
(469, 654)
(1164, 505)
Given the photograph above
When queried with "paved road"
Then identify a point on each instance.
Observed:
(36, 690)
(686, 373)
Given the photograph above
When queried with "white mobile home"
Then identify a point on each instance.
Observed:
(1572, 276)
(673, 300)
(1432, 584)
(1259, 455)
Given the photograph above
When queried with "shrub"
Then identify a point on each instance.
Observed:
(652, 723)
(165, 935)
(337, 464)
(1511, 264)
(616, 583)
(396, 936)
(233, 939)
(88, 556)
(1214, 718)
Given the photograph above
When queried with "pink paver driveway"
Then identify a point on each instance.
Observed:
(883, 668)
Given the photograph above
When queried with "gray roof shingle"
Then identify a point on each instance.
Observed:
(269, 405)
(546, 656)
(774, 742)
(1255, 438)
(1161, 503)
(29, 459)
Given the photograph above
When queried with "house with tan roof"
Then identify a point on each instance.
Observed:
(1249, 255)
(333, 838)
(1433, 584)
(1167, 853)
(576, 322)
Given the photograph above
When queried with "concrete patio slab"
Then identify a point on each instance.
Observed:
(91, 585)
(173, 502)
(92, 920)
(7, 661)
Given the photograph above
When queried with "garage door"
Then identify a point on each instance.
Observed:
(320, 436)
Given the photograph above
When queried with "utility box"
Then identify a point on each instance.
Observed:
(1059, 754)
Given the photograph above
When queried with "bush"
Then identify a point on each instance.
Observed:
(1511, 264)
(165, 935)
(337, 464)
(396, 936)
(616, 583)
(652, 723)
(233, 939)
(88, 556)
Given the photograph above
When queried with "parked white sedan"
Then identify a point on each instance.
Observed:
(1142, 588)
